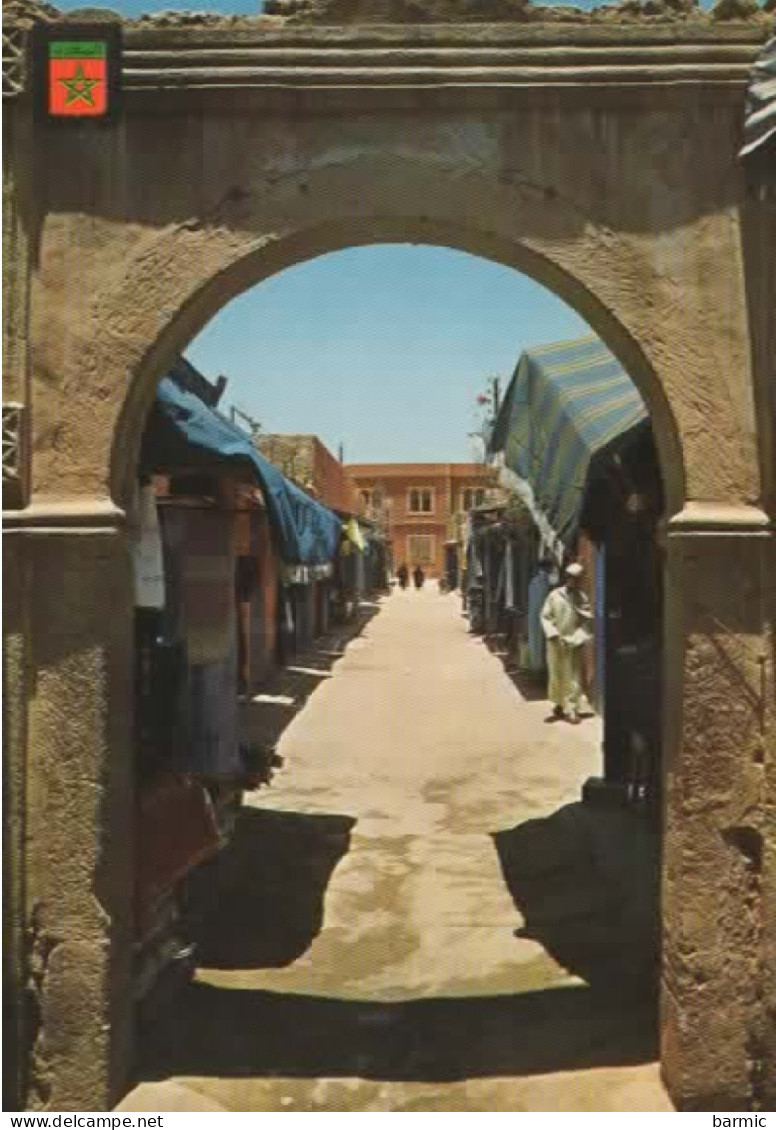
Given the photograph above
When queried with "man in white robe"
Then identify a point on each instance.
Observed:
(567, 621)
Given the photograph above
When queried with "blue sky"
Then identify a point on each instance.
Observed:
(383, 348)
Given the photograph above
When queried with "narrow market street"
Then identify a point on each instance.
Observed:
(363, 954)
(389, 489)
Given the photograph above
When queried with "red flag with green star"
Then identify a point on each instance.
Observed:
(78, 78)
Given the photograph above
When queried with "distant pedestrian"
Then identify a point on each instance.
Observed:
(419, 577)
(403, 575)
(566, 620)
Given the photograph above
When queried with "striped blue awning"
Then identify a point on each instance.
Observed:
(565, 403)
(760, 126)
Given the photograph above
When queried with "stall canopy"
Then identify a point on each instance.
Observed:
(183, 432)
(760, 124)
(566, 403)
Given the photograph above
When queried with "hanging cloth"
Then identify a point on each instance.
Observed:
(209, 575)
(477, 561)
(500, 579)
(147, 557)
(198, 679)
(212, 745)
(177, 830)
(354, 535)
(509, 577)
(538, 590)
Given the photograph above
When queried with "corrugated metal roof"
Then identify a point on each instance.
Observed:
(760, 125)
(565, 403)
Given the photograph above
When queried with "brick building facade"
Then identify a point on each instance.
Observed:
(420, 505)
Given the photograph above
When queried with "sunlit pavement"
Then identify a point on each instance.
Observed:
(364, 954)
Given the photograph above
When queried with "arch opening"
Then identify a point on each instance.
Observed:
(190, 320)
(213, 293)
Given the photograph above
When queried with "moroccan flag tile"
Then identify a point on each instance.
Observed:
(77, 78)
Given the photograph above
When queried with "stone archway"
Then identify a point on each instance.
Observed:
(266, 259)
(198, 194)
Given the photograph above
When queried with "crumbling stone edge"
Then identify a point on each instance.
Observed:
(279, 13)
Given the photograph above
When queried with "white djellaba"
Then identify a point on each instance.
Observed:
(566, 620)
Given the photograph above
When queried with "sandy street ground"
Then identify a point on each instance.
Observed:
(363, 955)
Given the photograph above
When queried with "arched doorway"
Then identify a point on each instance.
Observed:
(218, 196)
(259, 365)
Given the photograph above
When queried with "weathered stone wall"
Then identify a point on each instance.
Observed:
(17, 664)
(520, 11)
(602, 166)
(715, 893)
(759, 242)
(544, 183)
(80, 816)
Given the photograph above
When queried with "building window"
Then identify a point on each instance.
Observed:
(366, 498)
(421, 549)
(420, 500)
(472, 496)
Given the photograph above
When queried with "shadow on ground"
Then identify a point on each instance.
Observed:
(264, 894)
(259, 904)
(235, 1033)
(532, 687)
(586, 882)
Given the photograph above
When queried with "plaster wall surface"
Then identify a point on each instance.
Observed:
(603, 166)
(168, 216)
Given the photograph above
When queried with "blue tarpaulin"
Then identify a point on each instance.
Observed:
(184, 432)
(564, 405)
